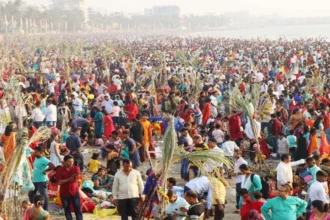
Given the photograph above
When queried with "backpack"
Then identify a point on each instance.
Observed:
(265, 186)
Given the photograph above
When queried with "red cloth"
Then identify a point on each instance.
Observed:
(131, 111)
(326, 121)
(264, 148)
(112, 88)
(276, 127)
(31, 133)
(248, 205)
(235, 126)
(71, 188)
(108, 126)
(206, 113)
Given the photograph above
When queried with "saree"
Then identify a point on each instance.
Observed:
(318, 142)
(108, 126)
(8, 146)
(99, 129)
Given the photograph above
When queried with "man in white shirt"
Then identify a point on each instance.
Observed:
(238, 175)
(51, 114)
(51, 87)
(229, 146)
(210, 167)
(77, 105)
(284, 170)
(319, 189)
(201, 185)
(37, 116)
(127, 190)
(218, 134)
(107, 103)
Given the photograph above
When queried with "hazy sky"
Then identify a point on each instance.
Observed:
(288, 8)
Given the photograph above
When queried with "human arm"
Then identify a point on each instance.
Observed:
(133, 147)
(301, 206)
(115, 187)
(209, 198)
(47, 217)
(265, 210)
(57, 152)
(51, 167)
(296, 163)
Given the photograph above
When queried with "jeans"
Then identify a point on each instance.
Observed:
(128, 207)
(37, 124)
(50, 123)
(238, 188)
(42, 188)
(275, 146)
(76, 206)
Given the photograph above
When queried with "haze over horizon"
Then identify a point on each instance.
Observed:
(293, 8)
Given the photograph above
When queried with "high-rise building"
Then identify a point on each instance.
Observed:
(72, 5)
(166, 10)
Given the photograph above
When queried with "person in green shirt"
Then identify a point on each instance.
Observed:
(284, 206)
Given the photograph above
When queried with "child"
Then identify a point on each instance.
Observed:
(193, 129)
(292, 142)
(94, 164)
(26, 205)
(283, 146)
(295, 187)
(248, 204)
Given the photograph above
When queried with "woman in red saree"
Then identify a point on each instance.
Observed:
(131, 110)
(8, 142)
(206, 111)
(235, 126)
(108, 125)
(318, 139)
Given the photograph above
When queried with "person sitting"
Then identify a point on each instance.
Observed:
(102, 181)
(37, 212)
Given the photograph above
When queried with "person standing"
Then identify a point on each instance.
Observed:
(51, 113)
(238, 178)
(67, 177)
(127, 191)
(132, 148)
(74, 144)
(319, 189)
(41, 166)
(77, 105)
(37, 116)
(284, 170)
(147, 137)
(284, 206)
(250, 181)
(98, 120)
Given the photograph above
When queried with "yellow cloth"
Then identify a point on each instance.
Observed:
(218, 191)
(104, 212)
(147, 130)
(157, 128)
(94, 165)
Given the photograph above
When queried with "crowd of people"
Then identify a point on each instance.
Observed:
(114, 102)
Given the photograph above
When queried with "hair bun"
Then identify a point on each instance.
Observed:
(40, 203)
(325, 207)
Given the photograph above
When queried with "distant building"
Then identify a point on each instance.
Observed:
(72, 5)
(166, 10)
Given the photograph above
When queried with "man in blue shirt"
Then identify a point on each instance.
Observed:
(74, 144)
(41, 166)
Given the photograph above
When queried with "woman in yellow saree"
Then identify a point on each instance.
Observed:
(8, 142)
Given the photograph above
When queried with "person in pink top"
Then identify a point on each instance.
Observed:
(320, 211)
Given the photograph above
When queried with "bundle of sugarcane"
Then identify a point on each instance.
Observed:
(169, 146)
(241, 104)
